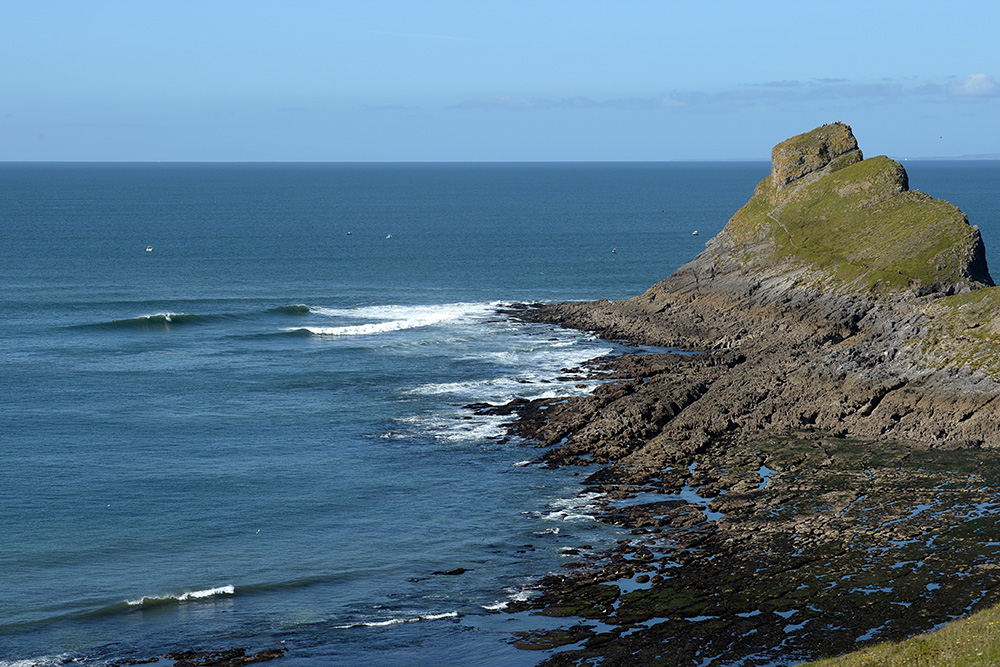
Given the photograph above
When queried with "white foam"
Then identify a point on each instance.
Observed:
(578, 508)
(582, 500)
(524, 596)
(398, 621)
(552, 356)
(493, 388)
(404, 312)
(189, 595)
(506, 389)
(391, 318)
(438, 617)
(41, 661)
(449, 429)
(221, 590)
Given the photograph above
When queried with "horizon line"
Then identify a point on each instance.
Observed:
(985, 157)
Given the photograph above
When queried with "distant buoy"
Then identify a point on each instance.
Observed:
(348, 233)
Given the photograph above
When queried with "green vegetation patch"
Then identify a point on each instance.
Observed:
(860, 225)
(963, 332)
(970, 641)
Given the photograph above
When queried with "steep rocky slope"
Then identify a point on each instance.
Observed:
(836, 425)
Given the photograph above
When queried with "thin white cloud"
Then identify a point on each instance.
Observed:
(973, 87)
(580, 102)
(767, 94)
(976, 85)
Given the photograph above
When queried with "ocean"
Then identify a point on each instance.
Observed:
(235, 396)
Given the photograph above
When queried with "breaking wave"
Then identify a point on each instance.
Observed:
(293, 309)
(393, 318)
(154, 600)
(157, 321)
(398, 621)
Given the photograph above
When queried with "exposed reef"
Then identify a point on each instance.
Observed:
(824, 471)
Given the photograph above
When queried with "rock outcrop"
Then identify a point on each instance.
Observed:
(831, 289)
(831, 146)
(848, 342)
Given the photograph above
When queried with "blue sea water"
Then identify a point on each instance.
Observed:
(233, 394)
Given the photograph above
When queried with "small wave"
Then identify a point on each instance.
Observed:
(154, 600)
(41, 661)
(449, 429)
(404, 312)
(579, 508)
(394, 317)
(525, 595)
(551, 357)
(155, 321)
(293, 309)
(370, 329)
(398, 621)
(522, 595)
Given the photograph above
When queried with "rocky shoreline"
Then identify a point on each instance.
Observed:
(823, 471)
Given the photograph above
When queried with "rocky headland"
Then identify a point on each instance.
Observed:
(813, 461)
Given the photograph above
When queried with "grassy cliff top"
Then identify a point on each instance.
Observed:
(855, 220)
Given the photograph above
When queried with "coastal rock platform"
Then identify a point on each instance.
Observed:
(812, 462)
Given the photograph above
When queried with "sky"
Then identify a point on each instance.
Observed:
(546, 80)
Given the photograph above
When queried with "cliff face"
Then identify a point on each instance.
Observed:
(829, 145)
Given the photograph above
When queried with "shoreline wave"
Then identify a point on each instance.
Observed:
(397, 621)
(391, 318)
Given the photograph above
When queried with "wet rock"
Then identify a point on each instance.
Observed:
(236, 657)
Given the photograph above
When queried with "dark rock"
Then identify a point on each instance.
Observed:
(235, 657)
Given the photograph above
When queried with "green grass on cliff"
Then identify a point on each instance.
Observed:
(860, 228)
(974, 640)
(963, 332)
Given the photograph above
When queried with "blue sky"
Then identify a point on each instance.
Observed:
(542, 80)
